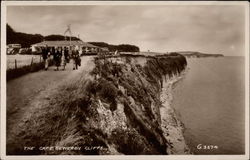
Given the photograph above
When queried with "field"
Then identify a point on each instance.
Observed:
(21, 60)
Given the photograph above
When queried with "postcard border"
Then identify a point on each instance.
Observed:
(156, 157)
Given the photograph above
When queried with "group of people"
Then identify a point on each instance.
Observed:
(61, 56)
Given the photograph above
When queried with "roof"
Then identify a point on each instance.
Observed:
(105, 48)
(64, 43)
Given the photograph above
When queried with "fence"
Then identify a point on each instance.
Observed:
(21, 65)
(22, 69)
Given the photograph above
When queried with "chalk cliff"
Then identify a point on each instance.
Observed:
(122, 107)
(130, 105)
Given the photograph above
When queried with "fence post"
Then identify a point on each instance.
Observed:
(15, 64)
(31, 61)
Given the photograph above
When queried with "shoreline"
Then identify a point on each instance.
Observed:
(172, 127)
(130, 124)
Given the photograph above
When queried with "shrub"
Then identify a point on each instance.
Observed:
(128, 59)
(130, 142)
(107, 90)
(91, 87)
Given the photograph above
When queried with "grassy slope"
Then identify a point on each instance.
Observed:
(117, 110)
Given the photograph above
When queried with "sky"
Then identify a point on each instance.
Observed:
(214, 29)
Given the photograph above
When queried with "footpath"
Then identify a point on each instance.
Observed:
(23, 91)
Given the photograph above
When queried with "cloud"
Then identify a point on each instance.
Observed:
(208, 28)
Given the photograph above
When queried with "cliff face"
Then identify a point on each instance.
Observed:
(128, 95)
(123, 107)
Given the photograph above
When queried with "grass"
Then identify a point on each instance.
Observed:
(17, 72)
(142, 84)
(22, 60)
(59, 121)
(70, 117)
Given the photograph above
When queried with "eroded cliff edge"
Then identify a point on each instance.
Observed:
(122, 107)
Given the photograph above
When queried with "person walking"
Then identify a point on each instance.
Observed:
(53, 51)
(76, 58)
(73, 55)
(66, 54)
(63, 59)
(47, 58)
(45, 51)
(57, 58)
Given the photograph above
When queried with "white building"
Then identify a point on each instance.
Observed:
(83, 47)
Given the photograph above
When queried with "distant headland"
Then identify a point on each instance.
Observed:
(192, 54)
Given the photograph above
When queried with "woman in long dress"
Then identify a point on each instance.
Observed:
(57, 58)
(45, 52)
(47, 60)
(63, 60)
(76, 58)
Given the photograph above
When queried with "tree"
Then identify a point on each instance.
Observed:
(59, 38)
(26, 40)
(22, 38)
(121, 47)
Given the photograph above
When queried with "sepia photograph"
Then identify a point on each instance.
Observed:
(97, 80)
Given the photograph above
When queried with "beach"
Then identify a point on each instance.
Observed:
(170, 123)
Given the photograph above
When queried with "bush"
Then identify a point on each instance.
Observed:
(91, 87)
(128, 59)
(131, 143)
(107, 90)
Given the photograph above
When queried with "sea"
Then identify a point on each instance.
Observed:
(210, 101)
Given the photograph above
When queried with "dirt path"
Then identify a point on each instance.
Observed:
(23, 91)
